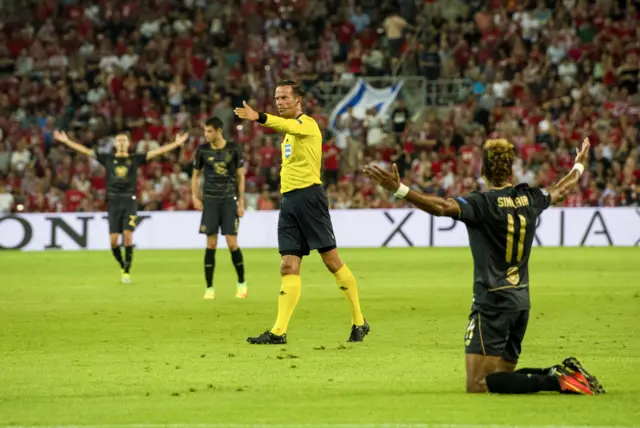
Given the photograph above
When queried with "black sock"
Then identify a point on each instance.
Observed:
(236, 257)
(128, 256)
(117, 254)
(209, 265)
(534, 371)
(520, 383)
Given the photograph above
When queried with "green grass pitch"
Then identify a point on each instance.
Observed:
(79, 348)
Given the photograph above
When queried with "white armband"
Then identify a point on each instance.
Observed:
(402, 191)
(578, 167)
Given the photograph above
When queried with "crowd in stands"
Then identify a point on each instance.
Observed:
(544, 74)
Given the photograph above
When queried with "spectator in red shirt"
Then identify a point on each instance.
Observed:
(73, 198)
(264, 201)
(268, 155)
(331, 158)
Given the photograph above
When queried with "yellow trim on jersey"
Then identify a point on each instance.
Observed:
(507, 287)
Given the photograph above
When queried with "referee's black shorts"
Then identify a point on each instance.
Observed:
(304, 223)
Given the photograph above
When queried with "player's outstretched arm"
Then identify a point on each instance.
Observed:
(62, 137)
(434, 205)
(562, 188)
(289, 126)
(178, 142)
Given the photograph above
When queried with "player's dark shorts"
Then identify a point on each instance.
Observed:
(496, 333)
(123, 214)
(304, 223)
(219, 216)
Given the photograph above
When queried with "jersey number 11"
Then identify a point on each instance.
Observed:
(511, 227)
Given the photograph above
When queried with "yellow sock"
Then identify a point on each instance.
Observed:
(289, 296)
(347, 283)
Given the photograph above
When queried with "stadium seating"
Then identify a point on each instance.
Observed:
(543, 77)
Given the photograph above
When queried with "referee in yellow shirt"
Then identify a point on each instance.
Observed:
(304, 223)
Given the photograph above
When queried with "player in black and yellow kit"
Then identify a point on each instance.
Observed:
(304, 223)
(122, 169)
(223, 204)
(501, 224)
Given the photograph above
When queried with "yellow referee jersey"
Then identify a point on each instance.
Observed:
(301, 151)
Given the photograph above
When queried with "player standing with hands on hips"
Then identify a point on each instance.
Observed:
(122, 174)
(304, 223)
(223, 203)
(501, 223)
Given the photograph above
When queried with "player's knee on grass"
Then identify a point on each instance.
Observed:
(232, 242)
(113, 238)
(127, 238)
(290, 265)
(477, 382)
(212, 242)
(478, 367)
(331, 259)
(477, 386)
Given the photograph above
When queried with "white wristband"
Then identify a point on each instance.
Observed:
(578, 167)
(402, 191)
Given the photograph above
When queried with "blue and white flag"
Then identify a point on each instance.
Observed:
(362, 97)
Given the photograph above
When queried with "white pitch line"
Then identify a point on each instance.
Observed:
(385, 425)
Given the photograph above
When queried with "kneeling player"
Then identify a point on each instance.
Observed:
(223, 203)
(501, 224)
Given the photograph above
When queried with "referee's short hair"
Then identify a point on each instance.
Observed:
(214, 122)
(296, 88)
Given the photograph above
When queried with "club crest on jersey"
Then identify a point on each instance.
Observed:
(121, 171)
(513, 275)
(287, 151)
